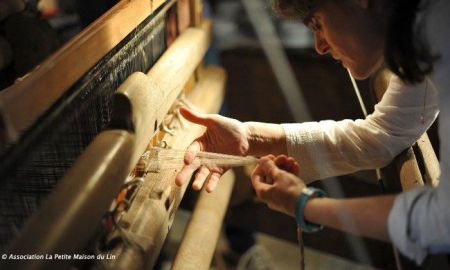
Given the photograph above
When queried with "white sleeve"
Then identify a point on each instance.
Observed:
(331, 148)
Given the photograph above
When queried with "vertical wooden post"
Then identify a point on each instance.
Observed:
(196, 12)
(199, 241)
(431, 162)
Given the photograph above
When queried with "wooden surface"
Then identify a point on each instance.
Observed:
(200, 238)
(213, 78)
(101, 170)
(196, 12)
(184, 15)
(151, 214)
(142, 101)
(71, 214)
(409, 172)
(22, 103)
(431, 162)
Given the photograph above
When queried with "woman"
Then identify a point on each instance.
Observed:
(412, 38)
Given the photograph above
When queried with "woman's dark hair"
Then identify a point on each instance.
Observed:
(297, 9)
(407, 54)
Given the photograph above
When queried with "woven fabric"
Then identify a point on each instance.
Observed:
(51, 146)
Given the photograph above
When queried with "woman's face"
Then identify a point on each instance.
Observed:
(351, 34)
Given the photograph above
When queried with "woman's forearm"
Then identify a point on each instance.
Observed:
(361, 216)
(265, 139)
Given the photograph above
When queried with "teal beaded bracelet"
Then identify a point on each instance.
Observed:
(305, 196)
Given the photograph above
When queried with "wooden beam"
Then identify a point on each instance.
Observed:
(141, 104)
(22, 103)
(184, 15)
(430, 160)
(199, 241)
(196, 12)
(213, 78)
(71, 214)
(409, 172)
(142, 101)
(150, 216)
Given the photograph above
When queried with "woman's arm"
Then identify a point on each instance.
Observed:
(265, 139)
(281, 190)
(361, 216)
(330, 148)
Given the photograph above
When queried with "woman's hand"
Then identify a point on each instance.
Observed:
(276, 183)
(223, 135)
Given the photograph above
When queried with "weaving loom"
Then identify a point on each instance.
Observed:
(81, 122)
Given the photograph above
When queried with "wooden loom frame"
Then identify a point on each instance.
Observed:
(141, 104)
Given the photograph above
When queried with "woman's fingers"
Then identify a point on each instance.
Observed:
(191, 152)
(260, 185)
(275, 185)
(295, 167)
(270, 168)
(265, 170)
(200, 178)
(288, 164)
(257, 170)
(185, 174)
(195, 117)
(213, 181)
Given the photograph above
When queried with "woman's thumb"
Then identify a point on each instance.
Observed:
(195, 117)
(268, 166)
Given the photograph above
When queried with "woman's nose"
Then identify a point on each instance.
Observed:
(321, 45)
